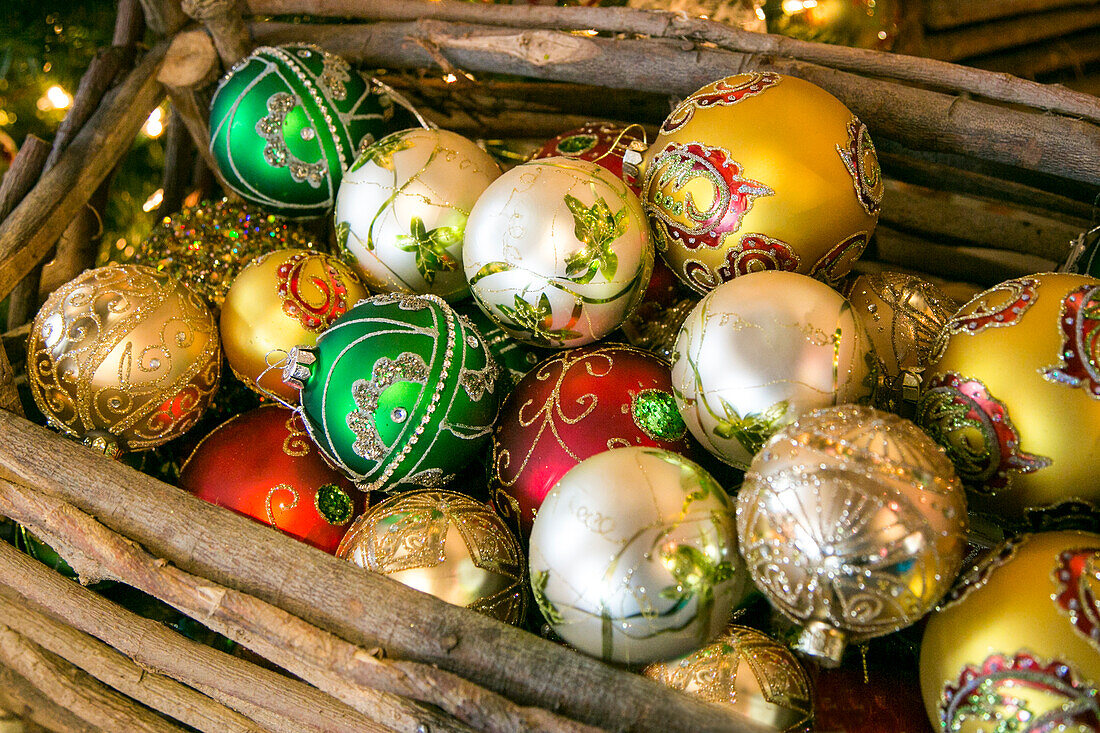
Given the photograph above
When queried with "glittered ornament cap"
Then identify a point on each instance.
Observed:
(287, 121)
(400, 392)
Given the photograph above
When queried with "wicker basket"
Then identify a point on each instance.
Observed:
(990, 177)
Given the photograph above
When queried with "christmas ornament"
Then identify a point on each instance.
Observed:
(902, 314)
(759, 351)
(726, 183)
(262, 464)
(743, 14)
(445, 544)
(124, 356)
(515, 358)
(748, 672)
(878, 698)
(287, 121)
(557, 251)
(860, 23)
(853, 523)
(399, 392)
(207, 245)
(1017, 647)
(598, 142)
(576, 404)
(1013, 394)
(634, 556)
(402, 208)
(282, 300)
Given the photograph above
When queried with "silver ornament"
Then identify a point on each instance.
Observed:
(634, 556)
(402, 207)
(759, 351)
(853, 523)
(557, 252)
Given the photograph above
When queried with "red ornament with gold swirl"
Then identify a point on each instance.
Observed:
(263, 465)
(574, 405)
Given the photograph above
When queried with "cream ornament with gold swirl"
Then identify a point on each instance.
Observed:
(558, 252)
(761, 171)
(759, 351)
(402, 207)
(124, 357)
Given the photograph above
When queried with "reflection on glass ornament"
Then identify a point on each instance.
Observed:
(634, 556)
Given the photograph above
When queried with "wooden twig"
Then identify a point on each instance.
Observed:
(17, 182)
(226, 25)
(950, 13)
(276, 702)
(940, 176)
(364, 608)
(38, 706)
(1075, 52)
(321, 658)
(164, 17)
(178, 151)
(972, 222)
(925, 72)
(120, 673)
(27, 235)
(983, 266)
(76, 690)
(917, 118)
(999, 35)
(190, 65)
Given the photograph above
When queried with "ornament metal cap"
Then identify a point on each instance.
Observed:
(103, 442)
(632, 161)
(298, 369)
(822, 643)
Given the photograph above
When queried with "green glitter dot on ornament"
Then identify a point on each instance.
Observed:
(287, 121)
(654, 411)
(395, 395)
(334, 504)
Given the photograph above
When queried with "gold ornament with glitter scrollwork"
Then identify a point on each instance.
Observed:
(761, 171)
(746, 671)
(446, 544)
(125, 350)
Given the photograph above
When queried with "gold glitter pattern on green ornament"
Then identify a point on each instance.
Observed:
(334, 505)
(206, 246)
(654, 412)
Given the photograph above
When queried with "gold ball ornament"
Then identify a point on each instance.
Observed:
(123, 354)
(1016, 647)
(1013, 394)
(860, 23)
(557, 252)
(446, 544)
(853, 524)
(761, 172)
(903, 314)
(207, 245)
(281, 300)
(748, 672)
(759, 351)
(402, 207)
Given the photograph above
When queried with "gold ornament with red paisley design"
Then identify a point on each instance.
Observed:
(1023, 347)
(761, 171)
(282, 300)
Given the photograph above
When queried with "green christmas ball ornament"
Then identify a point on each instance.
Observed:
(287, 121)
(514, 357)
(399, 393)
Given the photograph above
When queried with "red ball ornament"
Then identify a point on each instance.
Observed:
(597, 142)
(263, 465)
(576, 404)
